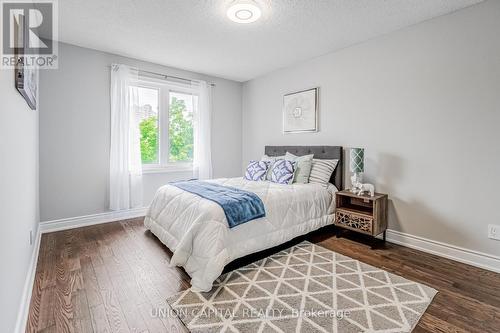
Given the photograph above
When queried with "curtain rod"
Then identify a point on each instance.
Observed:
(172, 77)
(165, 76)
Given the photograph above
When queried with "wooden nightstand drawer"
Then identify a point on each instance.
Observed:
(354, 220)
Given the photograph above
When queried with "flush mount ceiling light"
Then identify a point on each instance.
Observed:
(244, 12)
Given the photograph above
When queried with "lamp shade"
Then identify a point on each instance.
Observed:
(357, 163)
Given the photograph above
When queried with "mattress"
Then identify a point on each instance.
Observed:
(196, 230)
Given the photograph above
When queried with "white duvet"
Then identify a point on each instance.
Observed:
(196, 230)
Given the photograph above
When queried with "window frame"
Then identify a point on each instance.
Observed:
(164, 88)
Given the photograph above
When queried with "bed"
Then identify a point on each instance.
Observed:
(196, 230)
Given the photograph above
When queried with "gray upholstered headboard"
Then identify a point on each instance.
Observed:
(320, 152)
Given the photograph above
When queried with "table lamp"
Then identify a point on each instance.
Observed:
(357, 167)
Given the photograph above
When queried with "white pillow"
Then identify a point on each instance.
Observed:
(322, 170)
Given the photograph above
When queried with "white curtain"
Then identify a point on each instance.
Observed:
(125, 167)
(202, 159)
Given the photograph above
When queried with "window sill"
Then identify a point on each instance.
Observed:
(169, 169)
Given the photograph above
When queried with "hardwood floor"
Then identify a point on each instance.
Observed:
(114, 277)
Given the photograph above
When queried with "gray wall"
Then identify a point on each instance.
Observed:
(75, 132)
(18, 195)
(425, 103)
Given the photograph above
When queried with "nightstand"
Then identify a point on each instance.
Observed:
(362, 213)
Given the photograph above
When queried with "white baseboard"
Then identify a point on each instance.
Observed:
(22, 316)
(83, 221)
(471, 257)
(466, 256)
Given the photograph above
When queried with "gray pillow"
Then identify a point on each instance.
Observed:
(271, 159)
(322, 170)
(303, 167)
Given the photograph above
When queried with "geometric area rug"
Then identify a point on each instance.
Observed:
(305, 288)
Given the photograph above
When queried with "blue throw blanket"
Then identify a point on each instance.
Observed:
(239, 206)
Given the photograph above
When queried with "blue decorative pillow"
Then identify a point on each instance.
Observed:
(256, 170)
(282, 172)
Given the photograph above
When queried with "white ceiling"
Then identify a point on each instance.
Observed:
(196, 34)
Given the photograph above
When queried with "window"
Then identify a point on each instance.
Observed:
(180, 134)
(166, 121)
(147, 116)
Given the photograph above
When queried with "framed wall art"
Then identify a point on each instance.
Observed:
(25, 76)
(300, 111)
